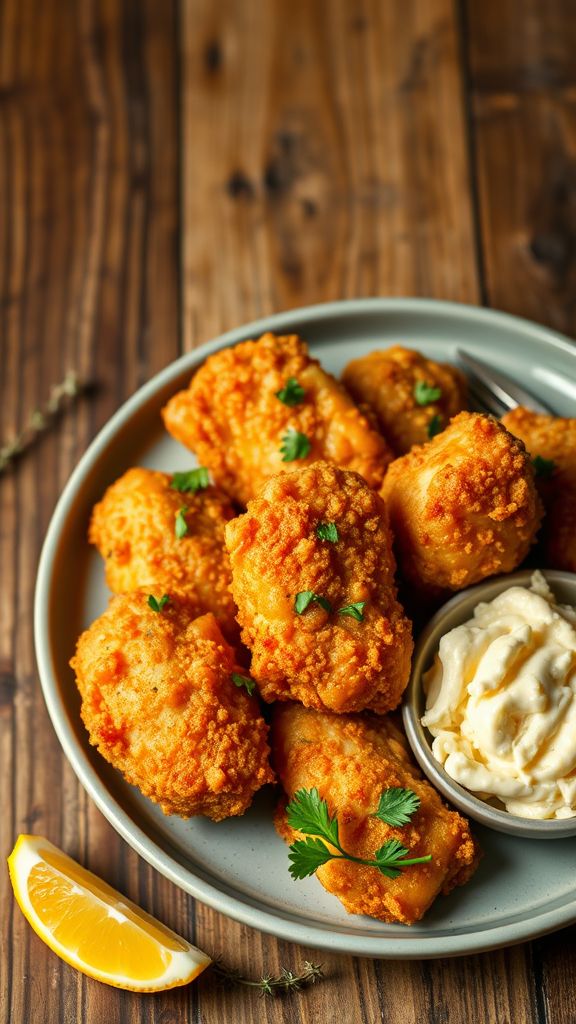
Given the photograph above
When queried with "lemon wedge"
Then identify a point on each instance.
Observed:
(93, 927)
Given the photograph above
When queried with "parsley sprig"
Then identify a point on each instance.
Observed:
(158, 605)
(194, 480)
(308, 813)
(292, 393)
(244, 681)
(294, 445)
(425, 394)
(543, 468)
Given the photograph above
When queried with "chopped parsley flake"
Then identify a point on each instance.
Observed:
(355, 610)
(181, 526)
(327, 531)
(424, 393)
(308, 597)
(244, 681)
(543, 468)
(292, 393)
(435, 426)
(193, 480)
(294, 446)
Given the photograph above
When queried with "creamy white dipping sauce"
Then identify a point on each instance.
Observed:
(501, 702)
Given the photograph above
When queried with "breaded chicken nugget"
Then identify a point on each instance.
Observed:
(151, 534)
(409, 394)
(159, 703)
(552, 439)
(313, 578)
(235, 421)
(463, 506)
(351, 761)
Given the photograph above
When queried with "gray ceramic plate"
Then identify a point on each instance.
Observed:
(523, 888)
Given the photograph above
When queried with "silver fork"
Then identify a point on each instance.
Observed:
(493, 391)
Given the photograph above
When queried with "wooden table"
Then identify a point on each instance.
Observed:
(168, 171)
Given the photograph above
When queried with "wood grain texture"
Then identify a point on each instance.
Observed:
(522, 94)
(324, 156)
(88, 280)
(170, 170)
(522, 79)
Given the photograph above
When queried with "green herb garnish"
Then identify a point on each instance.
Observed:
(180, 525)
(397, 806)
(355, 610)
(425, 393)
(294, 445)
(194, 480)
(327, 531)
(270, 984)
(308, 813)
(543, 468)
(244, 681)
(155, 605)
(307, 597)
(435, 426)
(292, 393)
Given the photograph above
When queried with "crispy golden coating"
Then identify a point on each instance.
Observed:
(133, 528)
(350, 761)
(554, 439)
(321, 658)
(463, 506)
(159, 703)
(385, 382)
(230, 416)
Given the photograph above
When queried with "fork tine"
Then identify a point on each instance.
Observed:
(499, 386)
(485, 399)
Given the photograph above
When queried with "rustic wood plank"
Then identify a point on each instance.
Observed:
(523, 92)
(554, 961)
(88, 280)
(324, 156)
(521, 46)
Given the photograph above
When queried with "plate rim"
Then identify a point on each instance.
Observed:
(410, 946)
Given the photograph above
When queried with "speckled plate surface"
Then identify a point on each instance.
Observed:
(522, 889)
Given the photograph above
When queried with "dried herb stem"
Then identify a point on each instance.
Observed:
(40, 419)
(270, 985)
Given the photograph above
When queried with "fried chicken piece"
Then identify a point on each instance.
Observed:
(463, 506)
(234, 421)
(388, 382)
(159, 703)
(351, 761)
(554, 439)
(133, 527)
(322, 658)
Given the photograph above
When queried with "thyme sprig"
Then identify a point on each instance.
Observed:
(40, 419)
(270, 984)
